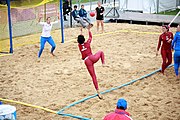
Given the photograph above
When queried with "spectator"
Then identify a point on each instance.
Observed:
(100, 16)
(83, 15)
(66, 9)
(75, 14)
(120, 113)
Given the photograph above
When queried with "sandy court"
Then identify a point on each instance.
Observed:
(54, 82)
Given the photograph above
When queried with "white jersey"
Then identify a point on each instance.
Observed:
(46, 32)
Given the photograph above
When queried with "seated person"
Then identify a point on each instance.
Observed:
(83, 15)
(119, 113)
(75, 14)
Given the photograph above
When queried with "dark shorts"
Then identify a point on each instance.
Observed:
(99, 18)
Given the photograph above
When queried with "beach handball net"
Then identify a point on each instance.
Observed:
(24, 17)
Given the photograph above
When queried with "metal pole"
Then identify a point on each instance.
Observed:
(174, 18)
(70, 13)
(10, 26)
(90, 1)
(114, 7)
(126, 4)
(61, 21)
(44, 12)
(157, 6)
(79, 4)
(177, 3)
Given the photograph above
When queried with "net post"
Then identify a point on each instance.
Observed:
(61, 21)
(10, 26)
(71, 13)
(45, 12)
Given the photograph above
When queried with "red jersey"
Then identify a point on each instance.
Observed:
(85, 48)
(164, 38)
(118, 115)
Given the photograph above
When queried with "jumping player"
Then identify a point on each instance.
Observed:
(89, 58)
(176, 47)
(165, 38)
(99, 16)
(46, 34)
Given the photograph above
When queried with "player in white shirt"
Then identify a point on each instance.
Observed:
(46, 34)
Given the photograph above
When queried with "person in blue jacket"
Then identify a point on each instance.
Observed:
(83, 15)
(176, 47)
(75, 14)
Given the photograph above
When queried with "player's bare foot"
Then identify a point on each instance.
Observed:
(101, 32)
(164, 74)
(38, 60)
(99, 95)
(104, 65)
(81, 29)
(178, 77)
(89, 26)
(36, 46)
(53, 54)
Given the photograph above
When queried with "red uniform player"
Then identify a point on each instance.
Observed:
(89, 58)
(165, 38)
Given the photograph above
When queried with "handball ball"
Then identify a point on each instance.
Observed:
(92, 14)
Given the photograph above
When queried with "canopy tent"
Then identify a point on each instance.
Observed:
(148, 6)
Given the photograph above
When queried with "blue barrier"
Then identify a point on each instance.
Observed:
(112, 89)
(73, 116)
